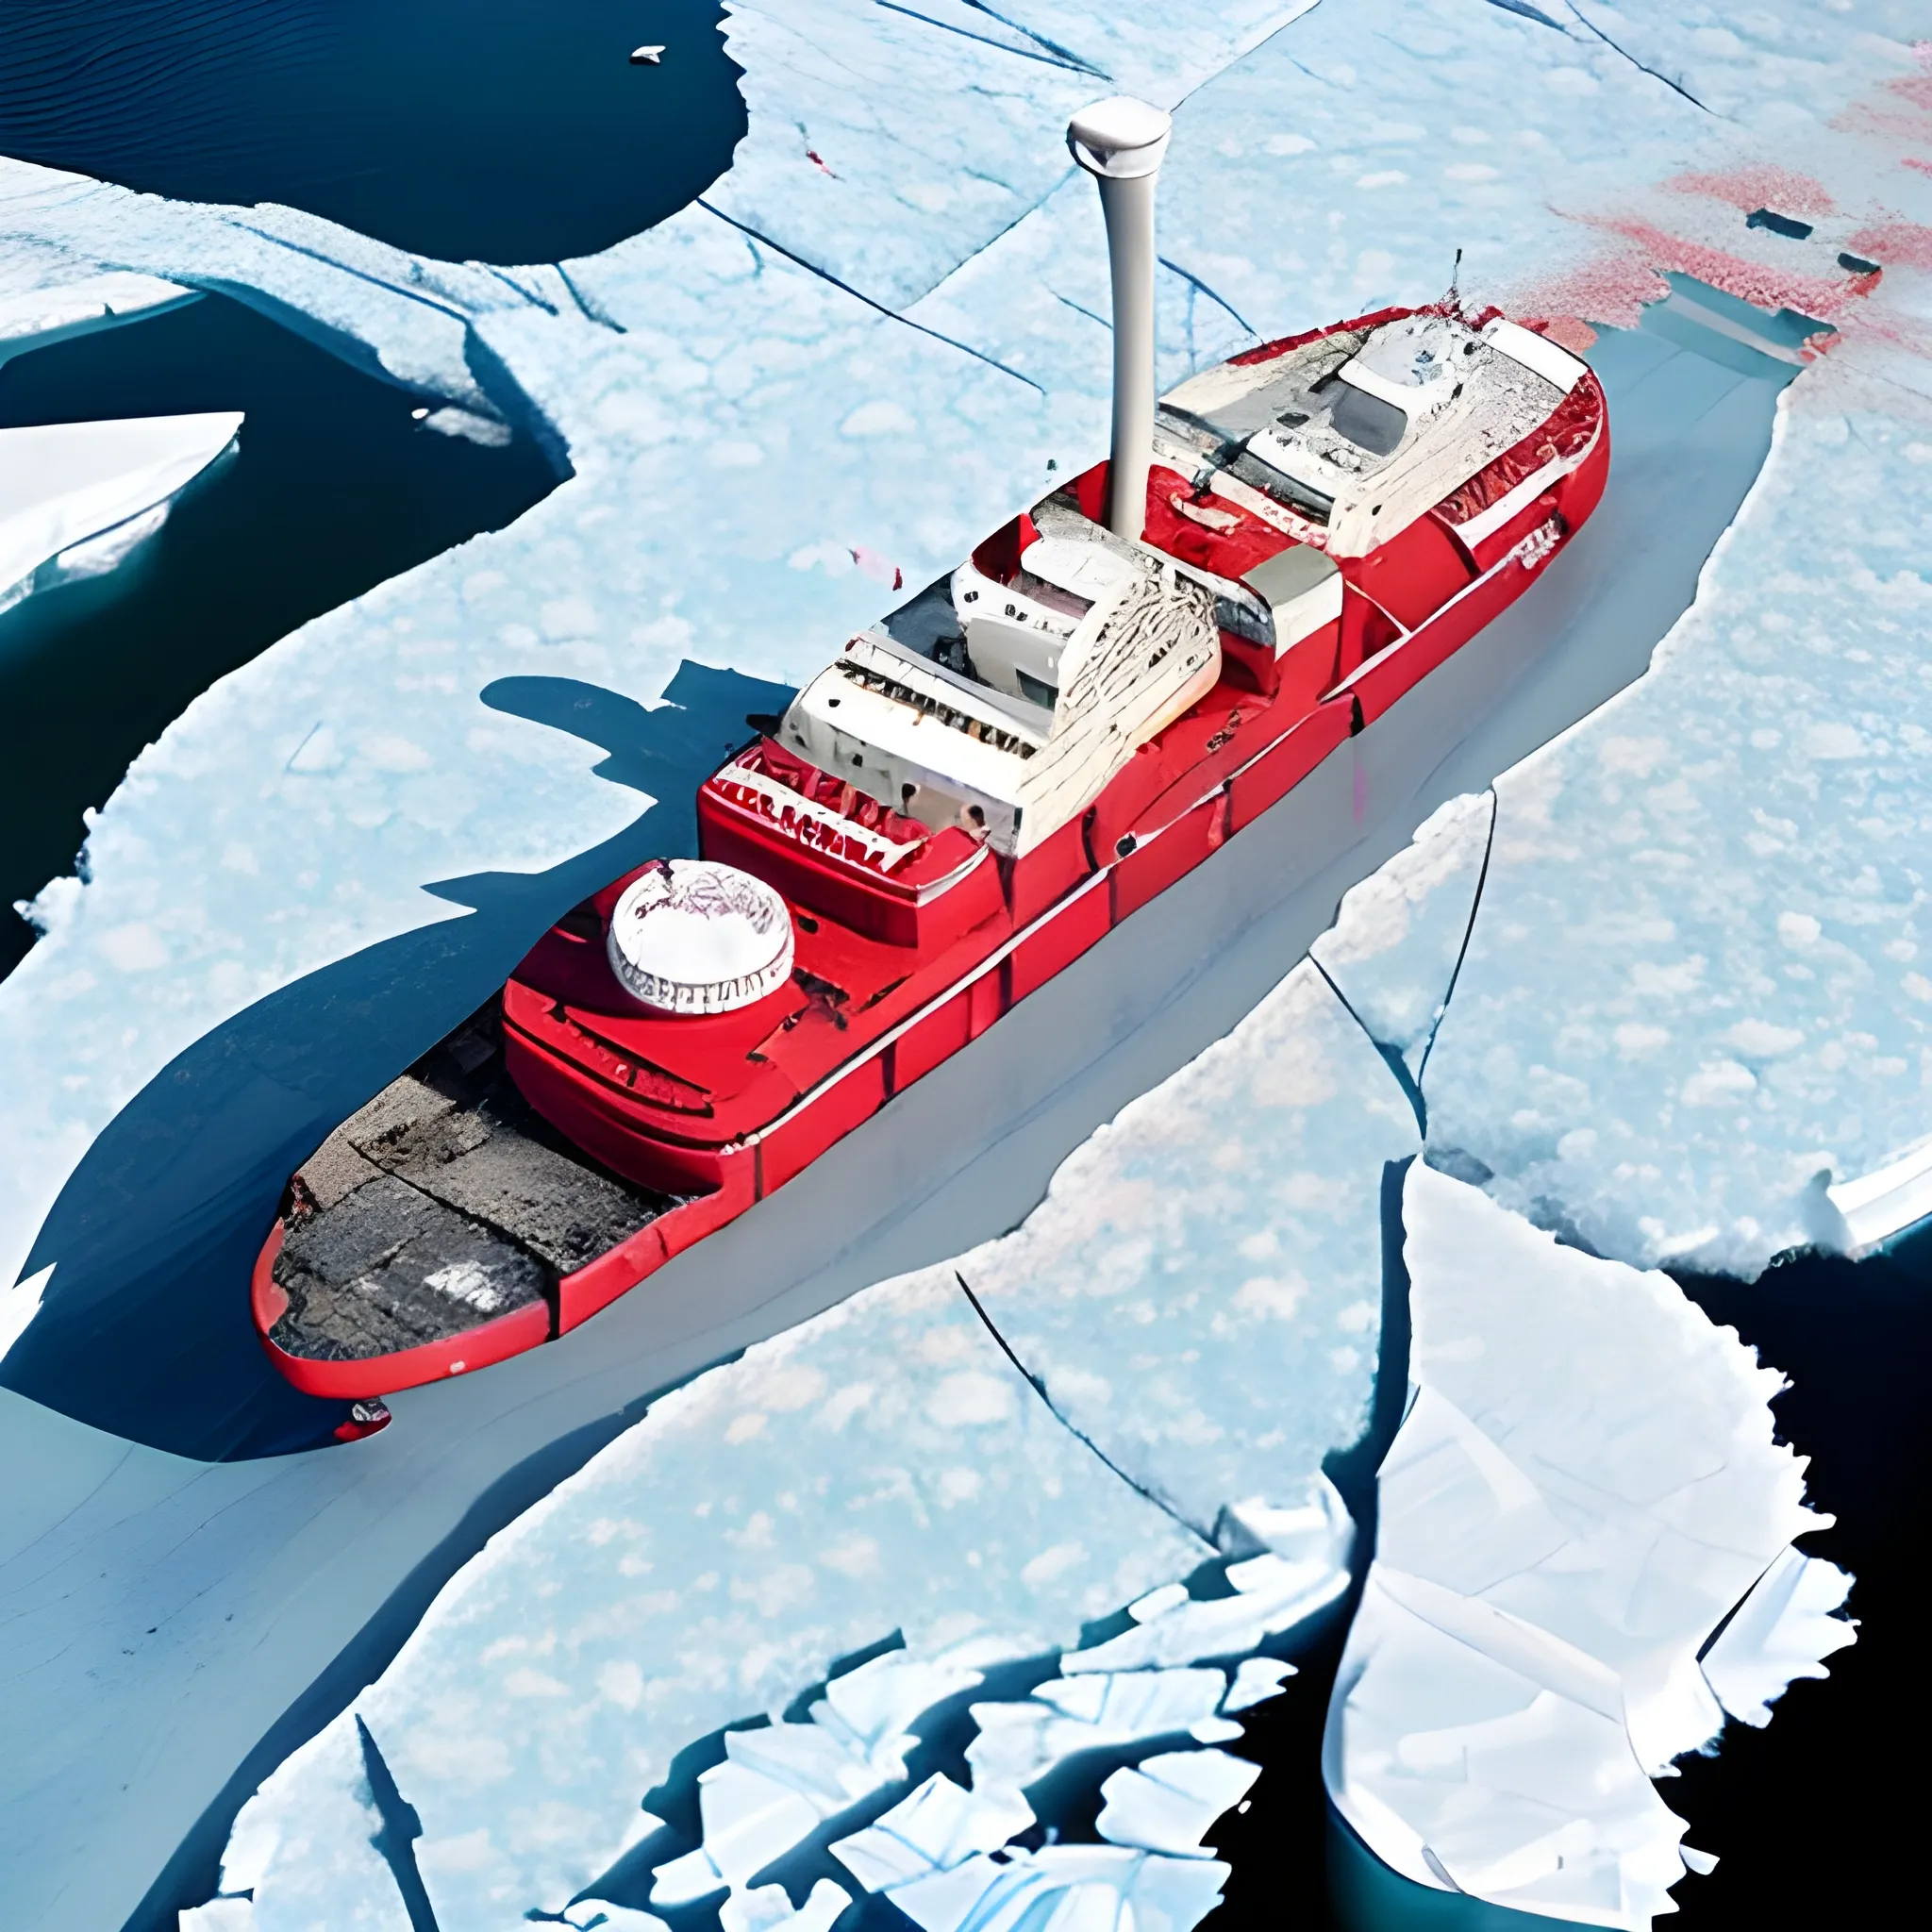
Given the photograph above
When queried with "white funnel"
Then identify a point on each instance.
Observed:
(1121, 143)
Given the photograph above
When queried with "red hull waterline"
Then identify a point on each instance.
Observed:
(896, 971)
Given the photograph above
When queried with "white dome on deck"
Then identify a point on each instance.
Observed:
(690, 936)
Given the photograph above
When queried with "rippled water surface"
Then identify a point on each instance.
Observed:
(498, 130)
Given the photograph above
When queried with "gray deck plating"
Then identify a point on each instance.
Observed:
(445, 1202)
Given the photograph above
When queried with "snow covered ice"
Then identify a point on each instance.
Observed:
(1585, 1483)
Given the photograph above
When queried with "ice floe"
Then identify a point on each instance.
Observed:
(1693, 996)
(1165, 1803)
(1215, 1244)
(35, 317)
(1585, 1487)
(74, 497)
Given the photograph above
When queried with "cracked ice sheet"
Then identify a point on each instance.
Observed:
(1586, 1483)
(1393, 949)
(887, 145)
(1200, 1292)
(881, 1465)
(1339, 165)
(1697, 977)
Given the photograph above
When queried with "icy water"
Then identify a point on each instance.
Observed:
(495, 131)
(335, 487)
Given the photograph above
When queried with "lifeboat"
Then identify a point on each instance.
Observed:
(970, 794)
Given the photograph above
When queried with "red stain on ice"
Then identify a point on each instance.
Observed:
(1751, 281)
(1904, 244)
(1753, 188)
(1571, 331)
(1924, 167)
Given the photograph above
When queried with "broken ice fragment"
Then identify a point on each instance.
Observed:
(1585, 1482)
(1071, 1888)
(1257, 1679)
(769, 1909)
(1166, 1802)
(938, 1826)
(1780, 1632)
(219, 1915)
(1019, 1742)
(1273, 1592)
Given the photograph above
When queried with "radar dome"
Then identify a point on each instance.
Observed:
(692, 936)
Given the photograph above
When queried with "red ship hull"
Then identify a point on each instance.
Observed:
(821, 1067)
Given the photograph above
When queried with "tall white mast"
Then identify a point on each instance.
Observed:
(1121, 143)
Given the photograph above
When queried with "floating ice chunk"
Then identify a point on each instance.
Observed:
(1166, 1802)
(769, 1909)
(219, 1915)
(1019, 1742)
(1257, 1679)
(1396, 942)
(869, 1710)
(471, 425)
(1068, 1887)
(34, 318)
(939, 1826)
(1272, 1592)
(1782, 1631)
(781, 1782)
(64, 483)
(1586, 1483)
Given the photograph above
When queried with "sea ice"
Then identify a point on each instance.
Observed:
(1257, 1679)
(1217, 1243)
(37, 317)
(1166, 1802)
(1020, 1743)
(1783, 1630)
(1398, 939)
(1585, 1483)
(1693, 994)
(1068, 1887)
(66, 486)
(882, 1464)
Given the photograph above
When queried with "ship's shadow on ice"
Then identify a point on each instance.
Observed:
(143, 1328)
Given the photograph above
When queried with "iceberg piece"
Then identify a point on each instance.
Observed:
(1166, 1802)
(1398, 939)
(1218, 1243)
(1585, 1485)
(1783, 1630)
(1020, 1743)
(1272, 1593)
(64, 483)
(769, 1909)
(1071, 1888)
(939, 1826)
(778, 1783)
(34, 318)
(1257, 1680)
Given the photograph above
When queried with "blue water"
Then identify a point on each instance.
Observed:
(498, 130)
(335, 487)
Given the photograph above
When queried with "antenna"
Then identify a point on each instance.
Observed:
(1456, 279)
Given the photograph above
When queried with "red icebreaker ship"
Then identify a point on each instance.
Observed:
(968, 797)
